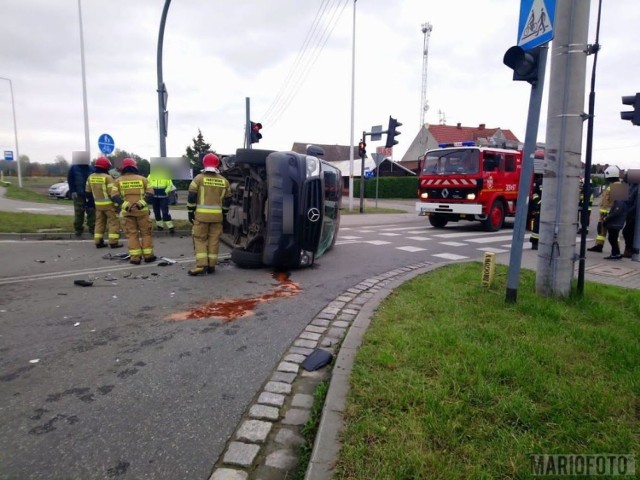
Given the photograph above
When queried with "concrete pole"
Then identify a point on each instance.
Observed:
(161, 86)
(87, 143)
(562, 167)
(15, 131)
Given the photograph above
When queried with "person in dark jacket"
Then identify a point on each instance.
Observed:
(614, 222)
(628, 232)
(82, 206)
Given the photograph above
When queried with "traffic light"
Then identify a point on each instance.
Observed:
(392, 133)
(362, 149)
(524, 63)
(255, 132)
(634, 116)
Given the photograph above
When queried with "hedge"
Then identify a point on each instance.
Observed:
(388, 187)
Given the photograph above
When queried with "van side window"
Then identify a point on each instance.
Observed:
(509, 163)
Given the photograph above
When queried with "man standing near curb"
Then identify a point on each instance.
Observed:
(162, 185)
(207, 191)
(77, 179)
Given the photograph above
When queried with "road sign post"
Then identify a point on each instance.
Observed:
(106, 143)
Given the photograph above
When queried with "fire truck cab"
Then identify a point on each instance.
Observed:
(464, 181)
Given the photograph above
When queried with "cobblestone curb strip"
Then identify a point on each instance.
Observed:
(266, 443)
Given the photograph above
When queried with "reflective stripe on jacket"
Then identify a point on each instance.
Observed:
(161, 186)
(206, 193)
(99, 185)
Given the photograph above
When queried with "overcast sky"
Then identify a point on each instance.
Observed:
(218, 52)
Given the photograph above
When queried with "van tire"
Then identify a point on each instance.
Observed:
(246, 259)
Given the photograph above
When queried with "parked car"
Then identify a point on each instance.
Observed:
(60, 190)
(285, 208)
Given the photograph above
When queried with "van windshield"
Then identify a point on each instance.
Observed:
(447, 161)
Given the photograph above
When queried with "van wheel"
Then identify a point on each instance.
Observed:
(438, 221)
(495, 217)
(245, 259)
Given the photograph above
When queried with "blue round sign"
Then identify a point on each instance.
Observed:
(106, 143)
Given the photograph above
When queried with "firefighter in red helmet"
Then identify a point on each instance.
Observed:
(132, 193)
(98, 188)
(207, 192)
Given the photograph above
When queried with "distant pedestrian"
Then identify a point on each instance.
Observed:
(98, 187)
(132, 193)
(611, 176)
(207, 193)
(162, 186)
(535, 204)
(614, 223)
(82, 206)
(628, 232)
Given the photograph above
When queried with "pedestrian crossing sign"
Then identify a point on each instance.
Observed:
(536, 23)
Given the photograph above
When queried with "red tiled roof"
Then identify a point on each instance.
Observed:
(453, 133)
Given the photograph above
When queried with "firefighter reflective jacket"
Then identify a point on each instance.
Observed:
(607, 201)
(99, 185)
(130, 189)
(207, 192)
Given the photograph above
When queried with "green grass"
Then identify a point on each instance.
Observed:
(12, 222)
(26, 193)
(452, 383)
(310, 428)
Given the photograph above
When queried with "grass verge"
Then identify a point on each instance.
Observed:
(452, 383)
(13, 222)
(310, 429)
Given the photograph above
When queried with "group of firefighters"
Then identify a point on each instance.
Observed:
(130, 195)
(615, 216)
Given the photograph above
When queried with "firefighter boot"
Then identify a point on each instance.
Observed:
(101, 244)
(198, 271)
(135, 260)
(211, 269)
(150, 258)
(115, 245)
(534, 244)
(596, 248)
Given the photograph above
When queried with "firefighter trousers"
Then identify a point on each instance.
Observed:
(107, 221)
(601, 234)
(139, 234)
(206, 241)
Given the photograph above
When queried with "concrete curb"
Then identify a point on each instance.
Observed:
(266, 443)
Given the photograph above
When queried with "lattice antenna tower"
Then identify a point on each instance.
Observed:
(442, 118)
(424, 105)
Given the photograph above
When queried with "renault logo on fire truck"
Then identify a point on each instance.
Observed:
(313, 214)
(445, 193)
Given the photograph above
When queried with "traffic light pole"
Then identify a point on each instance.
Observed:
(362, 155)
(247, 128)
(531, 135)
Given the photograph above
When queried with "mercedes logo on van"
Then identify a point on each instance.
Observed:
(313, 214)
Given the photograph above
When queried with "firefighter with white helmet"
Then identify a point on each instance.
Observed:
(97, 189)
(207, 192)
(611, 176)
(132, 193)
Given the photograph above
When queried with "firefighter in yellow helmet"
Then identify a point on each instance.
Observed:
(207, 192)
(132, 194)
(98, 188)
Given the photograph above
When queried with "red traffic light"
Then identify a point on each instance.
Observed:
(255, 132)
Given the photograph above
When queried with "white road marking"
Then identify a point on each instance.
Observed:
(409, 248)
(490, 239)
(420, 239)
(493, 250)
(450, 256)
(349, 237)
(453, 244)
(389, 234)
(377, 242)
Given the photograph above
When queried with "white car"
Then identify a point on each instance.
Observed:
(60, 190)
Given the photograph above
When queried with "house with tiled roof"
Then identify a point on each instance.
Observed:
(430, 136)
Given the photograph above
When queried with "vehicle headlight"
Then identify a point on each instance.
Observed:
(424, 195)
(471, 196)
(313, 167)
(305, 258)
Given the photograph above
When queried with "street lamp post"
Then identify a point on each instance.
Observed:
(15, 130)
(84, 85)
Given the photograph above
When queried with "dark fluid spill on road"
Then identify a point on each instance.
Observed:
(232, 309)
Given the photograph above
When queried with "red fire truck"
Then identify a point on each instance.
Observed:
(465, 181)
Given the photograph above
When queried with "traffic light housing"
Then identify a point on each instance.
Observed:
(524, 63)
(255, 132)
(634, 116)
(362, 149)
(392, 132)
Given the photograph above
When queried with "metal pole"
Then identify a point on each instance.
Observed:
(15, 130)
(161, 87)
(362, 177)
(353, 95)
(635, 256)
(530, 139)
(562, 165)
(586, 189)
(84, 86)
(247, 128)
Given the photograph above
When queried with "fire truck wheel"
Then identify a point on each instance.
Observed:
(438, 221)
(495, 218)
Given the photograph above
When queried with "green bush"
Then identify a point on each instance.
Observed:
(389, 187)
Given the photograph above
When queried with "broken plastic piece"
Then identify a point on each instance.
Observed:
(317, 359)
(83, 283)
(168, 260)
(163, 264)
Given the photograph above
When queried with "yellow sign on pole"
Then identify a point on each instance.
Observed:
(488, 268)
